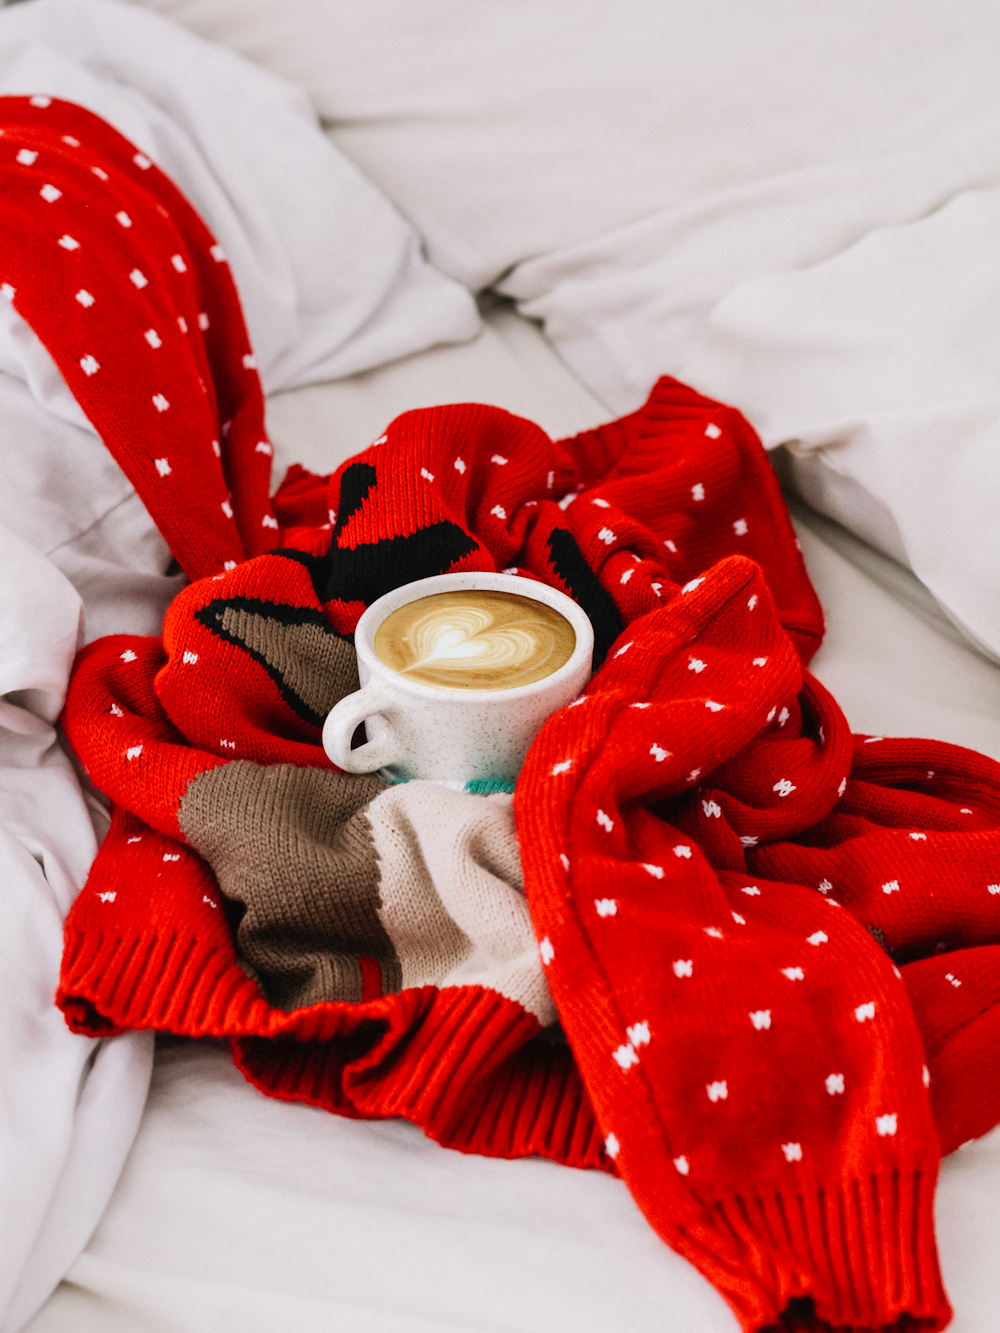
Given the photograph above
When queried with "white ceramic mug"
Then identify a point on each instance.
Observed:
(420, 731)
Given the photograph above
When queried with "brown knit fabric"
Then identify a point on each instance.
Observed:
(327, 872)
(310, 662)
(318, 666)
(293, 846)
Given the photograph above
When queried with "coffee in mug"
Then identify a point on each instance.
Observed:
(458, 673)
(475, 639)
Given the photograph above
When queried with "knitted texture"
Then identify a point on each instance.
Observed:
(695, 809)
(751, 1050)
(126, 288)
(616, 518)
(721, 877)
(208, 743)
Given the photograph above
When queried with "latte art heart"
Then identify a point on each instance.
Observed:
(475, 640)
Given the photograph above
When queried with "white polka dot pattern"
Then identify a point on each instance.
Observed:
(103, 258)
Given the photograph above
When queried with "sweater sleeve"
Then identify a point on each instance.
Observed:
(751, 1052)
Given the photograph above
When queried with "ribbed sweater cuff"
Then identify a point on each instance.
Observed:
(467, 1073)
(856, 1253)
(465, 1063)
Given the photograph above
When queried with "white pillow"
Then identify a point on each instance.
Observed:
(880, 370)
(618, 168)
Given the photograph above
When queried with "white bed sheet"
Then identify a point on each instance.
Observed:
(69, 1105)
(618, 169)
(237, 1212)
(878, 369)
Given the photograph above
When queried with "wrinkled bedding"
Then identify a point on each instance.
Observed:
(83, 559)
(804, 223)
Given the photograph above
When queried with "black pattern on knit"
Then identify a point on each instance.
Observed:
(583, 586)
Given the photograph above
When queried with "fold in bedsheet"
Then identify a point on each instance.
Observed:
(71, 1105)
(620, 171)
(877, 368)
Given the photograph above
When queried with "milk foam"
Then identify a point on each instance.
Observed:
(475, 639)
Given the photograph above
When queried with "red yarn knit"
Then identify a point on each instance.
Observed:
(127, 289)
(146, 945)
(748, 1047)
(718, 871)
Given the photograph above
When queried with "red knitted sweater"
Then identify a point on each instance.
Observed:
(719, 874)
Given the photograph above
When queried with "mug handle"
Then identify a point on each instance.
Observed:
(343, 721)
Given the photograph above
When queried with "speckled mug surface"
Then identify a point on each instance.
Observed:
(416, 730)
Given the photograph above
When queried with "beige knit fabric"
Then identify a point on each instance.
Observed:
(320, 867)
(452, 893)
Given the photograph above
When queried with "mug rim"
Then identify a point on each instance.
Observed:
(473, 580)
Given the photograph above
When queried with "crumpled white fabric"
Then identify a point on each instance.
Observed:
(69, 1106)
(619, 169)
(879, 368)
(63, 494)
(331, 277)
